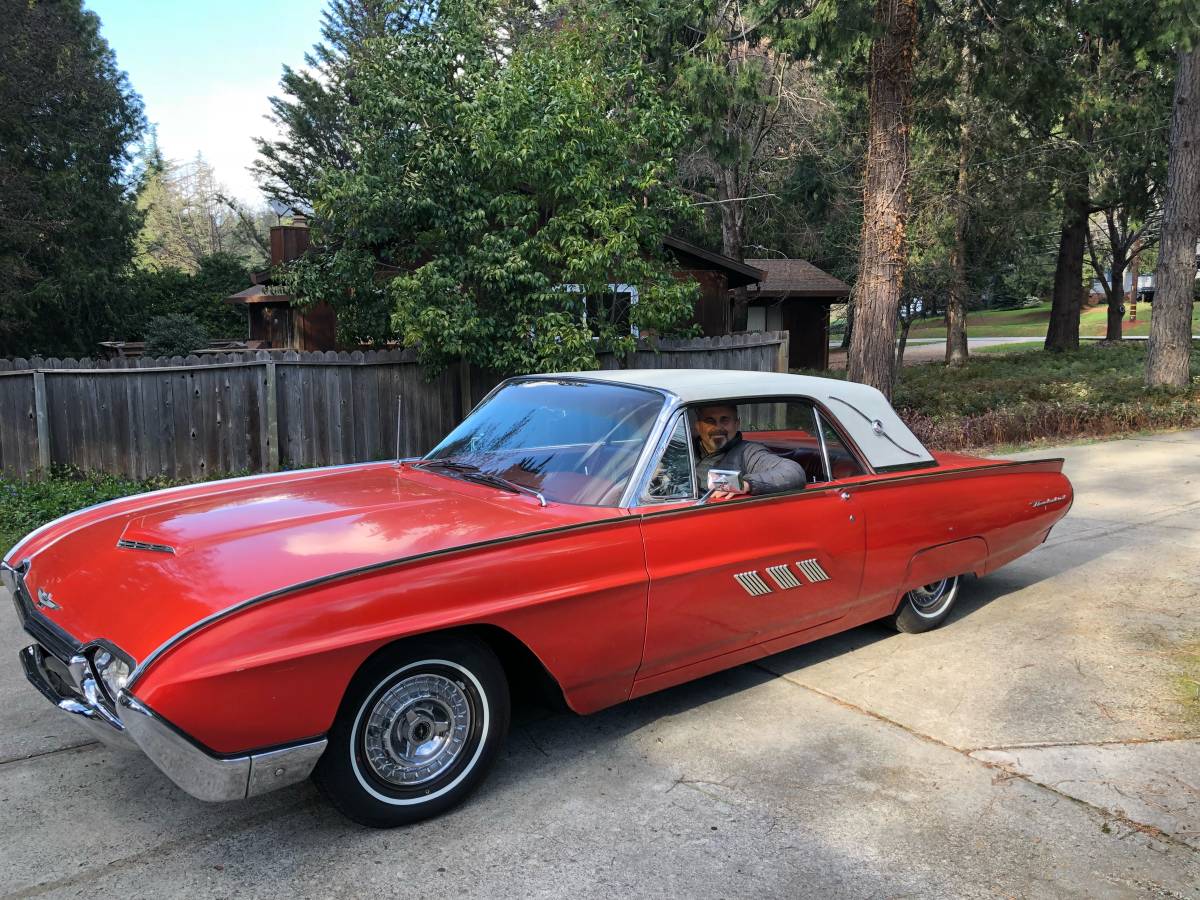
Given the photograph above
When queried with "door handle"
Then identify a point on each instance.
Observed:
(845, 495)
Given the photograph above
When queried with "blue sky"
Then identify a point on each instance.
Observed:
(205, 71)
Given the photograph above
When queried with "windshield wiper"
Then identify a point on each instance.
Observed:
(444, 464)
(474, 473)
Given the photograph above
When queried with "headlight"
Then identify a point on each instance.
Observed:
(113, 671)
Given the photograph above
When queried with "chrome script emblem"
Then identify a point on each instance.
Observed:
(45, 601)
(1038, 503)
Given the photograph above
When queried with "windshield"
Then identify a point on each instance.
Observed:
(575, 442)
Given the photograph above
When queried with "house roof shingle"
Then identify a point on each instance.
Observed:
(796, 278)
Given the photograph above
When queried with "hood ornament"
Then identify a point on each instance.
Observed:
(45, 600)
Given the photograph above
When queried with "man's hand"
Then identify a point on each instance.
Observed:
(728, 494)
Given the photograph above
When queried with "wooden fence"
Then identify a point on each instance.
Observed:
(192, 417)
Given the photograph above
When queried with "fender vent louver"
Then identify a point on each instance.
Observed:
(142, 545)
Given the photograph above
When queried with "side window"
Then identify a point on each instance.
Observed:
(841, 461)
(672, 478)
(787, 428)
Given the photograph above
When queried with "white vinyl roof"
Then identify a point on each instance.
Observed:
(863, 412)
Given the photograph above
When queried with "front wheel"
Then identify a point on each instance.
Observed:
(926, 607)
(417, 731)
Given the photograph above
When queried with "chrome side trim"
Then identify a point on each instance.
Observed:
(812, 570)
(752, 583)
(783, 577)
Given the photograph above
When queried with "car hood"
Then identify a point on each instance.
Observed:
(139, 570)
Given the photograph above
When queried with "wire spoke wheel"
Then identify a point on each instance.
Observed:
(927, 606)
(928, 599)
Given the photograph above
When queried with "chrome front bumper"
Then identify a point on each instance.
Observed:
(58, 668)
(204, 775)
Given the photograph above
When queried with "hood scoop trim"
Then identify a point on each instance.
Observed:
(126, 544)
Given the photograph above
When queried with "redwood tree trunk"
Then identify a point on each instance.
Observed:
(1169, 356)
(885, 196)
(1063, 333)
(1065, 303)
(1116, 297)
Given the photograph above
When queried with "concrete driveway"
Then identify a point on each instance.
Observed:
(1043, 743)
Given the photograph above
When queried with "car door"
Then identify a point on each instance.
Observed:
(727, 575)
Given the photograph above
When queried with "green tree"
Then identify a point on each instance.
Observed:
(492, 188)
(188, 216)
(67, 122)
(150, 293)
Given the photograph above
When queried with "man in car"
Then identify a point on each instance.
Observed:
(719, 445)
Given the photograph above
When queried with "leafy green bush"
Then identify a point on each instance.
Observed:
(175, 334)
(25, 506)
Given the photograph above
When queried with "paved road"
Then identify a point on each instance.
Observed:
(1039, 745)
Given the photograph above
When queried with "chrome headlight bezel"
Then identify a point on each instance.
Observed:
(111, 667)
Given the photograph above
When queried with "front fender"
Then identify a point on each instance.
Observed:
(274, 671)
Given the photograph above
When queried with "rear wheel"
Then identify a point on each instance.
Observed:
(417, 732)
(926, 607)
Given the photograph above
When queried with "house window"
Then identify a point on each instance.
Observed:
(756, 318)
(613, 307)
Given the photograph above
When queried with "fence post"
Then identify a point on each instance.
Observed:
(272, 420)
(43, 421)
(781, 364)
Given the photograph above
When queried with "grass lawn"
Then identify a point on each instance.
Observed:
(1004, 349)
(1032, 322)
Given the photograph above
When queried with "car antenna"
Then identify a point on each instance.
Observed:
(399, 410)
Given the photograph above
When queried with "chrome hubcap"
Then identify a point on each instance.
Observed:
(417, 729)
(930, 599)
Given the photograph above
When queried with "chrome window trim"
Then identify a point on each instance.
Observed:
(640, 498)
(821, 439)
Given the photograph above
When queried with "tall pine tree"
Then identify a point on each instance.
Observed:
(68, 118)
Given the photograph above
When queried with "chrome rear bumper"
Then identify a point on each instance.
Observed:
(203, 774)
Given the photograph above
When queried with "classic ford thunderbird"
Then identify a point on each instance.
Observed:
(362, 624)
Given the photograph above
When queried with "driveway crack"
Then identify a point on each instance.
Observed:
(44, 753)
(1107, 814)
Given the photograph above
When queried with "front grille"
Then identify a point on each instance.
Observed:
(47, 633)
(126, 544)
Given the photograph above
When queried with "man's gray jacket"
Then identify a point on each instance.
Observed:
(762, 471)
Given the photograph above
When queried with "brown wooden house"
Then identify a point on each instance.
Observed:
(795, 296)
(272, 321)
(718, 276)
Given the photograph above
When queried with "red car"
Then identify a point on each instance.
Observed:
(362, 624)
